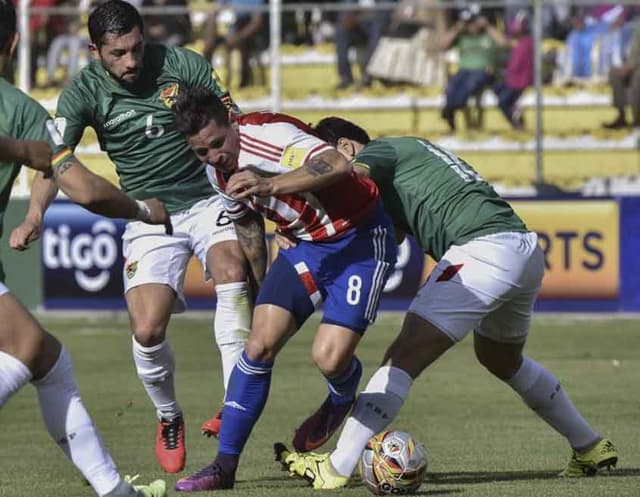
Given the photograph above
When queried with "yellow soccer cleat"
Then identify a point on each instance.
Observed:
(315, 468)
(157, 488)
(601, 455)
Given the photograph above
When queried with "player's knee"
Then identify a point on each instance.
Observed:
(148, 332)
(44, 350)
(26, 346)
(418, 345)
(330, 360)
(228, 265)
(498, 364)
(501, 360)
(258, 350)
(232, 272)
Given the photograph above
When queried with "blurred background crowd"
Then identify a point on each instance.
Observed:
(465, 49)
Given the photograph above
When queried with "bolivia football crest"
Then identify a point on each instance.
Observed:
(168, 95)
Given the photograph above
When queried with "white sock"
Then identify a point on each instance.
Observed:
(374, 409)
(13, 376)
(155, 368)
(70, 426)
(232, 324)
(542, 392)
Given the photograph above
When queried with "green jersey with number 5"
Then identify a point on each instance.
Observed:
(434, 195)
(136, 128)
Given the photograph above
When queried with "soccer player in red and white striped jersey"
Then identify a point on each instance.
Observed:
(273, 144)
(274, 165)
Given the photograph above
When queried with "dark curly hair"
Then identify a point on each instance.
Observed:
(195, 107)
(331, 129)
(113, 16)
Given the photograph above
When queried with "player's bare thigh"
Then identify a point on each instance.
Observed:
(150, 306)
(226, 262)
(22, 337)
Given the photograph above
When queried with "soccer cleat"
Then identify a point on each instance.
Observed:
(315, 468)
(170, 449)
(210, 477)
(211, 427)
(125, 488)
(601, 455)
(320, 426)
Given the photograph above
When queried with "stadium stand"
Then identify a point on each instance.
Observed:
(577, 150)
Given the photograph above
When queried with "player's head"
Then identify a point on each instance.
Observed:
(204, 120)
(347, 137)
(116, 32)
(8, 34)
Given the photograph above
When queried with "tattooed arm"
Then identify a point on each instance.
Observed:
(250, 232)
(315, 174)
(98, 195)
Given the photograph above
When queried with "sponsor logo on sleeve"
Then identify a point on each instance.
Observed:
(293, 157)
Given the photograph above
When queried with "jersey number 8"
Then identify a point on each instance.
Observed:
(354, 286)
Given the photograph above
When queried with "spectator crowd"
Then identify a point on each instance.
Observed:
(465, 48)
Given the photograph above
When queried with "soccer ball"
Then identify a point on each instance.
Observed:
(393, 463)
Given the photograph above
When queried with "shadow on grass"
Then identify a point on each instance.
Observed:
(284, 482)
(442, 491)
(470, 477)
(287, 482)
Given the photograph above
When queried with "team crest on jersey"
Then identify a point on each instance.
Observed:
(168, 95)
(130, 269)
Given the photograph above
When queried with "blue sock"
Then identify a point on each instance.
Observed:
(246, 396)
(342, 389)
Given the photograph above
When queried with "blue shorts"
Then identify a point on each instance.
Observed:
(348, 275)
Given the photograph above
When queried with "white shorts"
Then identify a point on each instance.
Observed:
(488, 285)
(151, 256)
(3, 289)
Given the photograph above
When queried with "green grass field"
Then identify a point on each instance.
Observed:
(481, 440)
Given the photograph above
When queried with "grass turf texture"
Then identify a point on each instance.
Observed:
(481, 440)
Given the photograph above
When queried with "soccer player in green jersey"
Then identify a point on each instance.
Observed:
(27, 352)
(487, 278)
(125, 94)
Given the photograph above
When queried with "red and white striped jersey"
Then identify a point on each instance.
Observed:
(272, 144)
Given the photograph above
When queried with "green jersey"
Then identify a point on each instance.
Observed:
(434, 195)
(23, 118)
(477, 51)
(136, 128)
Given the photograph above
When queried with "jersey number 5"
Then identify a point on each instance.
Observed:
(153, 130)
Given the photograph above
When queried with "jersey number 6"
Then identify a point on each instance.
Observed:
(153, 130)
